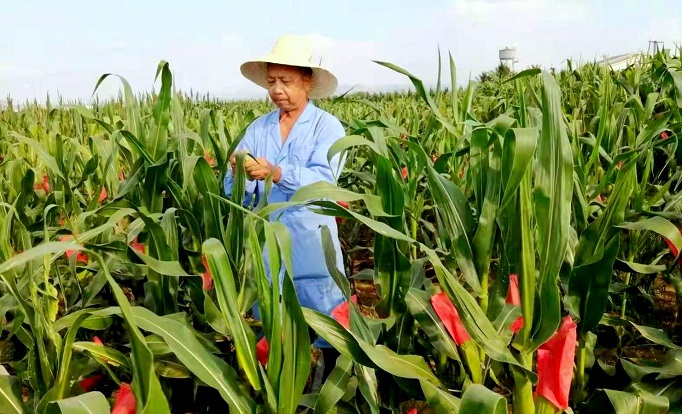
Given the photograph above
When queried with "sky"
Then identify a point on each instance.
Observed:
(63, 47)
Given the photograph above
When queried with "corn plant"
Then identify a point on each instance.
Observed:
(518, 234)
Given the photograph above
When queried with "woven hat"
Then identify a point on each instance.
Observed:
(293, 51)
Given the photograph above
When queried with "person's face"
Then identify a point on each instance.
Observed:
(288, 86)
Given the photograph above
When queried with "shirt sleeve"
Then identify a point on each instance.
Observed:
(317, 168)
(251, 187)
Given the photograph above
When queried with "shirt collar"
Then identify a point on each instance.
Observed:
(307, 115)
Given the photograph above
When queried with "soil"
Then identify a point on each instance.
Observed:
(667, 303)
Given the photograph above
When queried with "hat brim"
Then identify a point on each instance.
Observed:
(324, 83)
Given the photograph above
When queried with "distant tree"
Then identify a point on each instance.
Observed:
(503, 71)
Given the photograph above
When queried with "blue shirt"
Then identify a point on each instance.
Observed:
(303, 160)
(302, 157)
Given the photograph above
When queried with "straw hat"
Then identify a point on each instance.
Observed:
(293, 51)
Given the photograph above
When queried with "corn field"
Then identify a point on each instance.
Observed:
(512, 246)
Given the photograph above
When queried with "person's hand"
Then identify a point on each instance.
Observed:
(260, 169)
(233, 162)
(233, 158)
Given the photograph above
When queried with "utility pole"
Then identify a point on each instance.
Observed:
(654, 48)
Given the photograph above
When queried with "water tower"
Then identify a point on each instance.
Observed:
(508, 57)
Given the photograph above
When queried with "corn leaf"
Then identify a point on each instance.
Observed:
(10, 393)
(419, 305)
(207, 367)
(553, 190)
(335, 386)
(89, 403)
(479, 399)
(595, 255)
(226, 292)
(439, 400)
(455, 218)
(296, 355)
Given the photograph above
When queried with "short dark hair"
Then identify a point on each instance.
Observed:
(306, 71)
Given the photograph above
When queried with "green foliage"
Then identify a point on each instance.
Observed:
(113, 220)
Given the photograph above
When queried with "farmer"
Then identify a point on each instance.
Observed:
(291, 144)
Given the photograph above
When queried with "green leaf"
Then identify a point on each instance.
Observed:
(164, 267)
(656, 336)
(671, 368)
(369, 388)
(146, 386)
(44, 156)
(132, 107)
(350, 141)
(97, 321)
(524, 74)
(517, 156)
(208, 188)
(392, 267)
(235, 221)
(330, 259)
(102, 353)
(54, 248)
(419, 305)
(296, 364)
(641, 268)
(453, 91)
(324, 190)
(474, 319)
(479, 399)
(439, 400)
(592, 280)
(596, 253)
(489, 200)
(171, 369)
(9, 395)
(404, 366)
(157, 345)
(423, 93)
(226, 293)
(628, 403)
(138, 146)
(330, 208)
(89, 403)
(340, 338)
(157, 140)
(658, 225)
(207, 367)
(553, 192)
(214, 317)
(479, 160)
(507, 315)
(335, 386)
(446, 197)
(271, 294)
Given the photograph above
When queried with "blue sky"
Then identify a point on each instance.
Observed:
(64, 46)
